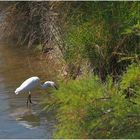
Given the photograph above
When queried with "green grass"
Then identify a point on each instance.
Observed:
(88, 108)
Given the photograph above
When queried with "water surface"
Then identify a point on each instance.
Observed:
(16, 120)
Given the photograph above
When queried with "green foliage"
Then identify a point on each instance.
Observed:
(99, 32)
(131, 78)
(133, 30)
(88, 108)
(130, 83)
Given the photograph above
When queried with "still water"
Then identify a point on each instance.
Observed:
(16, 120)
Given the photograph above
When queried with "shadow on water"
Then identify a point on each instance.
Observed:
(16, 120)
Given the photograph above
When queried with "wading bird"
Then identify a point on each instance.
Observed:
(32, 83)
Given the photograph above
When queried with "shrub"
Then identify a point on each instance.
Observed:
(88, 108)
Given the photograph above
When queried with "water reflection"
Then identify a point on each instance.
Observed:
(16, 119)
(26, 117)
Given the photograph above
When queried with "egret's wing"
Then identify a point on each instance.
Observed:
(28, 85)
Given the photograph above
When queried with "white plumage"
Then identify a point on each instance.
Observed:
(28, 85)
(32, 83)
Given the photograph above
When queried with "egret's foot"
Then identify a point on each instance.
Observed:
(27, 102)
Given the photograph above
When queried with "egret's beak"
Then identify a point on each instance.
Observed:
(55, 87)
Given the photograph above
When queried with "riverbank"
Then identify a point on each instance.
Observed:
(92, 49)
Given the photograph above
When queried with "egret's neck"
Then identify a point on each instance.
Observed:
(42, 86)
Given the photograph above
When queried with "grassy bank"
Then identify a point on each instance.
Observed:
(88, 108)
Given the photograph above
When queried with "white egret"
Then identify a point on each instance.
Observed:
(32, 83)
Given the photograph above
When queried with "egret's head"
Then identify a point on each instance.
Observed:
(48, 84)
(17, 91)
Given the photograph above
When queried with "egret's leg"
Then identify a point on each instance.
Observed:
(27, 101)
(30, 97)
